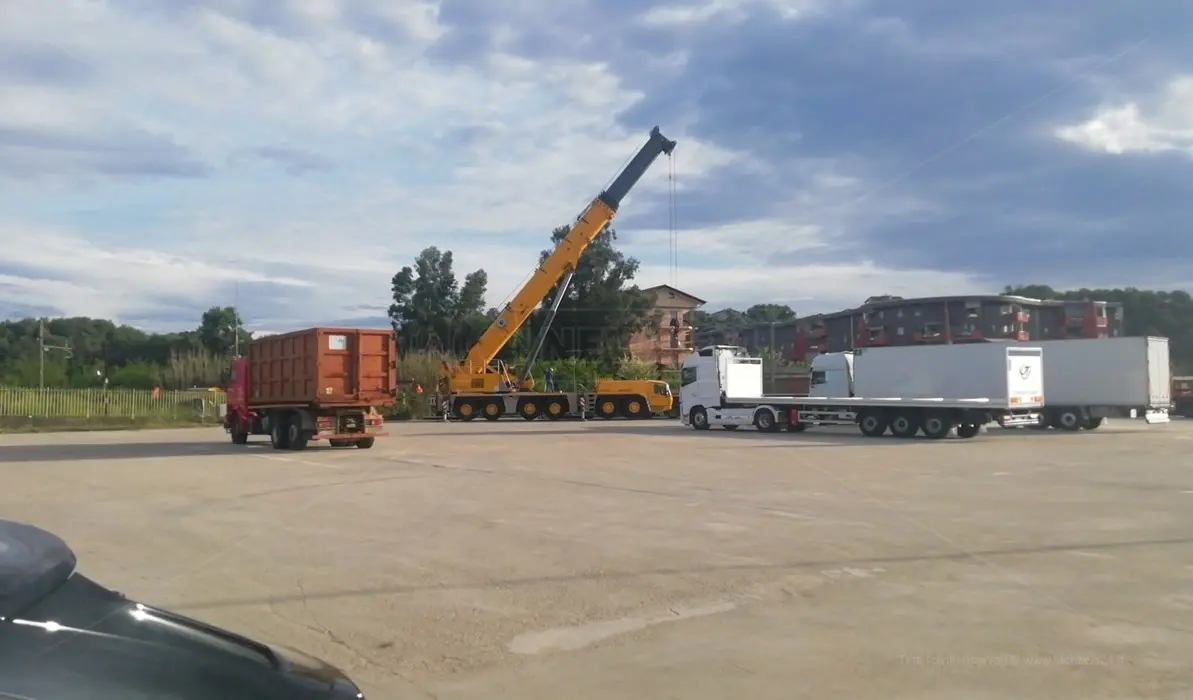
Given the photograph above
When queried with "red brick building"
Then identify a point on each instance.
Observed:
(668, 340)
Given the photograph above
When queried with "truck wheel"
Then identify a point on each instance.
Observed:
(278, 439)
(764, 421)
(1069, 419)
(872, 423)
(365, 443)
(966, 431)
(905, 424)
(937, 426)
(494, 409)
(699, 418)
(296, 437)
(1092, 423)
(606, 407)
(238, 437)
(634, 408)
(528, 409)
(465, 409)
(555, 409)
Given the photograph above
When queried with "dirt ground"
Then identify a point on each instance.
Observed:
(644, 560)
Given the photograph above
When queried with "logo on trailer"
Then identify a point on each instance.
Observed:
(1025, 371)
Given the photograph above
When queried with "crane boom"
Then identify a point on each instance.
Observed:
(561, 261)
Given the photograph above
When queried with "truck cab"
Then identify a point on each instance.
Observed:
(832, 375)
(715, 372)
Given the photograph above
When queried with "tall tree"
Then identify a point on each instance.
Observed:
(218, 331)
(601, 309)
(430, 310)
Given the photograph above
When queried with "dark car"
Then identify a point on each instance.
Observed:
(65, 637)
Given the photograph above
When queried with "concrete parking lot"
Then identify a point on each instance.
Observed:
(643, 560)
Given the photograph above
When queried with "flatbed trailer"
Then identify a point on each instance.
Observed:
(904, 418)
(704, 402)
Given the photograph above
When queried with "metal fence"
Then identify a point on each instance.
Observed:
(194, 406)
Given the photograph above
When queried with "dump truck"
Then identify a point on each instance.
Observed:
(905, 391)
(314, 384)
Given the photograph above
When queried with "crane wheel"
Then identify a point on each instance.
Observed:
(555, 409)
(494, 409)
(634, 408)
(528, 409)
(606, 406)
(465, 409)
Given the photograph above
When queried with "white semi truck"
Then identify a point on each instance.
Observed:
(1088, 380)
(901, 390)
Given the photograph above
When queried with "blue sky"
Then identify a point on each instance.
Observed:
(158, 157)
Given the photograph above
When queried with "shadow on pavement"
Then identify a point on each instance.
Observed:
(954, 555)
(14, 454)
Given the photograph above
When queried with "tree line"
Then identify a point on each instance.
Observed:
(436, 314)
(86, 352)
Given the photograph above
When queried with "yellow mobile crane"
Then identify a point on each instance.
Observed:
(478, 385)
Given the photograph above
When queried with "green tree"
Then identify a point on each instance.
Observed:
(601, 309)
(218, 330)
(769, 313)
(430, 310)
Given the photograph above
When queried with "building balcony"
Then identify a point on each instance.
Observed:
(1019, 317)
(929, 337)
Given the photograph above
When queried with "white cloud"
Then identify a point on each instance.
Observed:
(483, 157)
(701, 11)
(1155, 124)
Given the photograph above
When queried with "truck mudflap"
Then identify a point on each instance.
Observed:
(1011, 420)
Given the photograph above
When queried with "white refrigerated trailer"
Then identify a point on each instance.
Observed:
(722, 386)
(1088, 380)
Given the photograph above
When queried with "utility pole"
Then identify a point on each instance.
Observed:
(236, 320)
(42, 349)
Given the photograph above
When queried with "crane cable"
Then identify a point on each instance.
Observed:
(672, 224)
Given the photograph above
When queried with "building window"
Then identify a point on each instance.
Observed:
(917, 312)
(674, 319)
(899, 314)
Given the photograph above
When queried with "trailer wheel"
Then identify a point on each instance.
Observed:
(494, 409)
(699, 418)
(905, 424)
(296, 437)
(1092, 423)
(872, 423)
(634, 408)
(606, 407)
(966, 431)
(528, 409)
(765, 422)
(555, 409)
(937, 426)
(1069, 419)
(365, 443)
